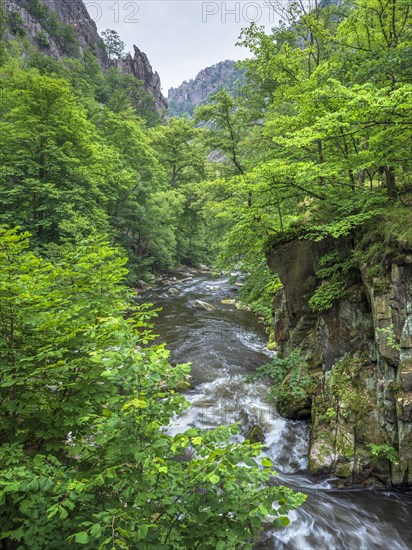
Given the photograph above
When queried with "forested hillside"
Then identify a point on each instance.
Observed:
(302, 183)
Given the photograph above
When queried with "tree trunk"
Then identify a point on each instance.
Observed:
(390, 182)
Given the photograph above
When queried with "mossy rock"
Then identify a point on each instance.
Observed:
(182, 386)
(343, 469)
(294, 409)
(256, 435)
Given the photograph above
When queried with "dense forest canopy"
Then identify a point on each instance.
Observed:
(317, 145)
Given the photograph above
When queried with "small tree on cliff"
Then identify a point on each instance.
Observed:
(113, 44)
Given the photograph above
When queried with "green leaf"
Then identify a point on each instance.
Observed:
(282, 521)
(213, 478)
(142, 532)
(96, 530)
(82, 537)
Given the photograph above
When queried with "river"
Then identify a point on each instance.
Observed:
(224, 346)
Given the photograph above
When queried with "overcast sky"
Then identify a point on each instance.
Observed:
(181, 37)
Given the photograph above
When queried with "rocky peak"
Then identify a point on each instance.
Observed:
(208, 81)
(140, 67)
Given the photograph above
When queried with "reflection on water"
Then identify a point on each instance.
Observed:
(224, 346)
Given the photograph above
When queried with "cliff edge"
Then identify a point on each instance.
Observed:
(359, 357)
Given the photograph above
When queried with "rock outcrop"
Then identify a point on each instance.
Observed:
(360, 358)
(139, 66)
(34, 16)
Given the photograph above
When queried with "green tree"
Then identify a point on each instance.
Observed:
(180, 149)
(113, 44)
(49, 154)
(225, 121)
(85, 401)
(321, 134)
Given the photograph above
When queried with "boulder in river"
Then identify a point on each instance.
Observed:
(203, 305)
(228, 302)
(256, 434)
(142, 285)
(173, 291)
(241, 306)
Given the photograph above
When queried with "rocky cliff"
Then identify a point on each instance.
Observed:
(64, 28)
(139, 66)
(186, 97)
(359, 354)
(37, 18)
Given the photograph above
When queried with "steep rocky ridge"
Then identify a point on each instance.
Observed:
(186, 97)
(140, 67)
(75, 33)
(360, 357)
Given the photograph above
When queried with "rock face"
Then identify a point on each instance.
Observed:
(73, 13)
(196, 91)
(139, 66)
(360, 357)
(77, 33)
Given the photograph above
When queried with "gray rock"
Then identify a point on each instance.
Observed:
(203, 305)
(364, 342)
(173, 291)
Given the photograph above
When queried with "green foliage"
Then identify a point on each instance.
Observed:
(41, 40)
(385, 451)
(50, 154)
(317, 146)
(383, 242)
(391, 340)
(114, 46)
(225, 122)
(289, 377)
(85, 401)
(15, 24)
(64, 155)
(342, 384)
(181, 109)
(122, 92)
(259, 289)
(179, 149)
(335, 273)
